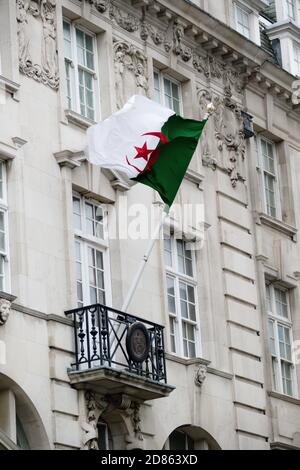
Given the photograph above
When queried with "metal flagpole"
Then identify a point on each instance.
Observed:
(145, 260)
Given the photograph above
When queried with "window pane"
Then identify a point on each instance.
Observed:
(89, 43)
(2, 273)
(175, 91)
(286, 371)
(67, 39)
(171, 295)
(272, 337)
(168, 252)
(172, 335)
(2, 232)
(90, 60)
(281, 303)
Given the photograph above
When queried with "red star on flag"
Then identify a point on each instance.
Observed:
(143, 152)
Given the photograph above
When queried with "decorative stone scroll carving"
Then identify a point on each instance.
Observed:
(224, 134)
(130, 413)
(200, 375)
(125, 20)
(37, 40)
(94, 409)
(5, 306)
(119, 409)
(179, 48)
(131, 72)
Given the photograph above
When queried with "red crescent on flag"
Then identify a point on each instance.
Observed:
(163, 139)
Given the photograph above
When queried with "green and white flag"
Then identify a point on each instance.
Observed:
(148, 143)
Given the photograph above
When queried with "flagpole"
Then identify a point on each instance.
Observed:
(145, 260)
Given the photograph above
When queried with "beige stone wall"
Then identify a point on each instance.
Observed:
(234, 405)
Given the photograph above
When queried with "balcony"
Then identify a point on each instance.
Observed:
(117, 353)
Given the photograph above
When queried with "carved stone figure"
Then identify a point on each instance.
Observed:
(119, 77)
(200, 375)
(94, 410)
(141, 79)
(23, 36)
(129, 61)
(44, 68)
(5, 306)
(49, 61)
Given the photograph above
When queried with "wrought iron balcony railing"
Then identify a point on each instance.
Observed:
(105, 337)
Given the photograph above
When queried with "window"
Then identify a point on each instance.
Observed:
(167, 92)
(22, 440)
(4, 267)
(181, 294)
(291, 9)
(297, 59)
(280, 339)
(91, 256)
(179, 440)
(242, 20)
(105, 441)
(268, 169)
(80, 69)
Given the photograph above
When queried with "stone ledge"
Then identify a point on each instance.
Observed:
(187, 362)
(78, 120)
(287, 398)
(278, 225)
(283, 446)
(9, 85)
(109, 381)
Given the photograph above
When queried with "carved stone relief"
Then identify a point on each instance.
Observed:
(223, 142)
(38, 57)
(94, 408)
(200, 375)
(120, 408)
(171, 37)
(100, 5)
(5, 306)
(131, 74)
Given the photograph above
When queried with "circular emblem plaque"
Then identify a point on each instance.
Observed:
(137, 342)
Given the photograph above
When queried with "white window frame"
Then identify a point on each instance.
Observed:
(286, 322)
(296, 57)
(248, 12)
(292, 4)
(162, 99)
(174, 273)
(274, 175)
(100, 244)
(74, 68)
(4, 254)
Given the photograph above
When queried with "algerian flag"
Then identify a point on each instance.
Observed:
(147, 143)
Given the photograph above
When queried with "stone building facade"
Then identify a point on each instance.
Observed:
(227, 375)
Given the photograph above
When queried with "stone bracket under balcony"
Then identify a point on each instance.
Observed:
(108, 381)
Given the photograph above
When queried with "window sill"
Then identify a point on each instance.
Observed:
(185, 361)
(78, 120)
(281, 396)
(9, 85)
(278, 225)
